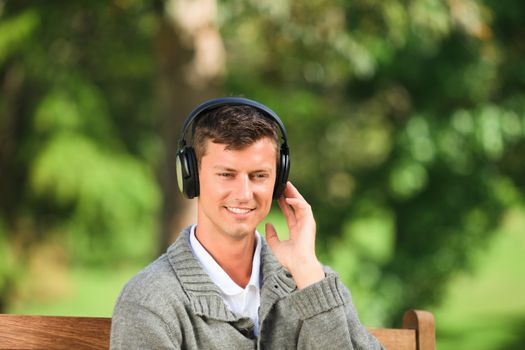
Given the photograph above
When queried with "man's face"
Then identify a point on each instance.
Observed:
(236, 188)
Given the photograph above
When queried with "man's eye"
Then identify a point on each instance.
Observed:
(261, 176)
(226, 174)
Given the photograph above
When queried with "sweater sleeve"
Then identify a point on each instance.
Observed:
(330, 320)
(135, 326)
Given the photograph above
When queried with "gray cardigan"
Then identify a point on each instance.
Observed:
(173, 304)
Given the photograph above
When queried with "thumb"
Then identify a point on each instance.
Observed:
(271, 235)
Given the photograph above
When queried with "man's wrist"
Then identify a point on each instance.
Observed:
(308, 273)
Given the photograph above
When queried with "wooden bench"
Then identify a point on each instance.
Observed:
(59, 332)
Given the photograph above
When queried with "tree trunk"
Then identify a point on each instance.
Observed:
(191, 64)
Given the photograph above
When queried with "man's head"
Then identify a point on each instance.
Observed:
(236, 150)
(233, 161)
(236, 122)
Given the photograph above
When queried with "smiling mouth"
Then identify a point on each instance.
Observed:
(239, 210)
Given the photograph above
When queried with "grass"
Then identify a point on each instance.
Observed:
(90, 292)
(486, 310)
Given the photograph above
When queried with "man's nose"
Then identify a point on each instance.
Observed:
(243, 188)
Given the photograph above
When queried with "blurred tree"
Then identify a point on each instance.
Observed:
(77, 143)
(191, 62)
(417, 112)
(85, 93)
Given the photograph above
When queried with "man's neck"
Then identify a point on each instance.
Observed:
(235, 256)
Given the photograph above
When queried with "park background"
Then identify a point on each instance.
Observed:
(406, 122)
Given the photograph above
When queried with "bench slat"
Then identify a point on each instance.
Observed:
(24, 332)
(396, 339)
(54, 332)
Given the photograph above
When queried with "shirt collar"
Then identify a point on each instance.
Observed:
(217, 274)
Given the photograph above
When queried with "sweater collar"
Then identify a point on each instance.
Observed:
(204, 295)
(216, 273)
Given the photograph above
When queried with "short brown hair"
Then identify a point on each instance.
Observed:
(235, 126)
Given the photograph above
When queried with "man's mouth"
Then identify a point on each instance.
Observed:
(236, 210)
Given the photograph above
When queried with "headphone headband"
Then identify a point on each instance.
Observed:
(230, 101)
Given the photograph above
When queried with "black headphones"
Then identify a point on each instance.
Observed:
(186, 162)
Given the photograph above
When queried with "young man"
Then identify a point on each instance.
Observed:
(221, 285)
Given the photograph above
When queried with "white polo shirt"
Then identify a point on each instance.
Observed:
(242, 302)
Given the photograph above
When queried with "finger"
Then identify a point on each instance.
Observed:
(288, 212)
(271, 235)
(291, 191)
(297, 204)
(300, 207)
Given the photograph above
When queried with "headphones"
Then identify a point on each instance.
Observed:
(186, 161)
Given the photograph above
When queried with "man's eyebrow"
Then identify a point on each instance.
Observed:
(225, 168)
(262, 170)
(220, 167)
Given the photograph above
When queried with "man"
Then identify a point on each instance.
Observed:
(221, 285)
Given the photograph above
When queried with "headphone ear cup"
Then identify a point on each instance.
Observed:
(283, 170)
(187, 172)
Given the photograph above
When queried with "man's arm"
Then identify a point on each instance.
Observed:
(324, 304)
(135, 326)
(330, 320)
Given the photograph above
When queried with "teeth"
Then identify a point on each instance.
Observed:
(238, 210)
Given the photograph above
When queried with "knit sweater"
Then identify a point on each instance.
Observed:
(173, 304)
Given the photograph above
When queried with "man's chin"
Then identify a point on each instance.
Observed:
(240, 232)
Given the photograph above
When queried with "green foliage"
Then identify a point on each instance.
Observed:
(109, 194)
(15, 31)
(77, 81)
(116, 200)
(405, 126)
(6, 262)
